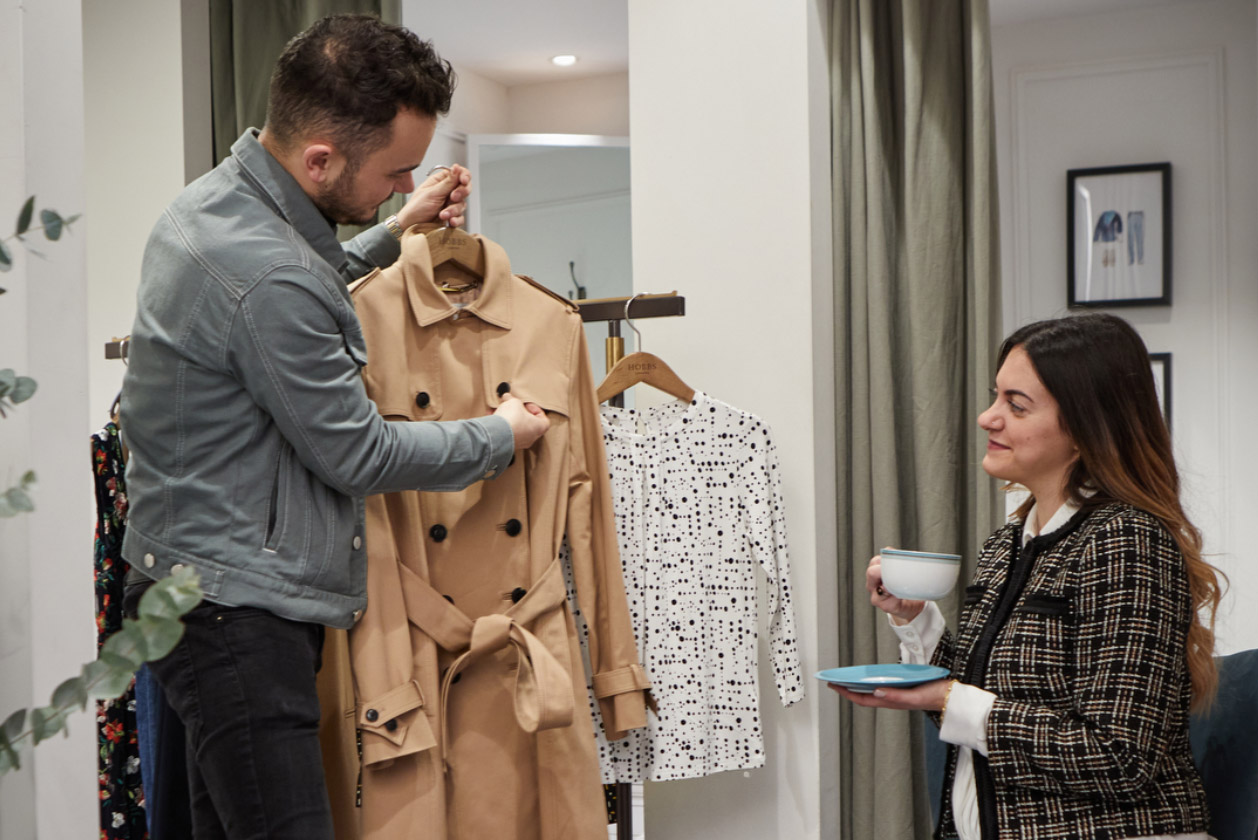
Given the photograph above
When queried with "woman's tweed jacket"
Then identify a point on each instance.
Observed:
(1082, 637)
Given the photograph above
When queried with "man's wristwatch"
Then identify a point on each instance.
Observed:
(393, 226)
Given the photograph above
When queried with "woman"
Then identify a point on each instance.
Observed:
(1082, 643)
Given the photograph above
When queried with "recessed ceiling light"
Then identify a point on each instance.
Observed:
(564, 60)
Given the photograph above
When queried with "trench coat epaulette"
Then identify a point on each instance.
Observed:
(555, 295)
(355, 285)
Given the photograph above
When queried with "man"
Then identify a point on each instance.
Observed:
(252, 440)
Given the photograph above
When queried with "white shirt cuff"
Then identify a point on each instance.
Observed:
(965, 721)
(920, 637)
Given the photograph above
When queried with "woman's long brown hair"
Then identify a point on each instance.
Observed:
(1097, 368)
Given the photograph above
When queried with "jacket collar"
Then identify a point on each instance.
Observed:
(429, 304)
(288, 198)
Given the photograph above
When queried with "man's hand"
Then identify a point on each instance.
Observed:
(528, 420)
(442, 197)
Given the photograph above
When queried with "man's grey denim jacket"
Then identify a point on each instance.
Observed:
(252, 439)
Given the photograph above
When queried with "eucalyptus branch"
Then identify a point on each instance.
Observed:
(149, 637)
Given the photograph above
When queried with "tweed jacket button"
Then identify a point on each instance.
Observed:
(437, 532)
(422, 399)
(513, 528)
(503, 388)
(372, 716)
(518, 593)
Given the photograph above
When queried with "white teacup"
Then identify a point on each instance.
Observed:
(919, 575)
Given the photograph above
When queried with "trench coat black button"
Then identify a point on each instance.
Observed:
(391, 725)
(518, 593)
(503, 388)
(422, 399)
(437, 532)
(448, 598)
(372, 716)
(513, 528)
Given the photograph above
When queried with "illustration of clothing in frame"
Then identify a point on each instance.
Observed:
(1108, 227)
(699, 509)
(466, 665)
(1135, 237)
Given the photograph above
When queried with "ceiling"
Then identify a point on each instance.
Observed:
(511, 42)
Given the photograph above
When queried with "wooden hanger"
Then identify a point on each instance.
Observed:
(457, 246)
(642, 368)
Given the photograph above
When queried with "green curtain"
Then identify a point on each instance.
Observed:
(246, 39)
(916, 328)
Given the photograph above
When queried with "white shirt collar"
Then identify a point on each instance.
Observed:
(1060, 518)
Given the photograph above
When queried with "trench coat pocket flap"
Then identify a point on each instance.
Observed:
(396, 717)
(1042, 604)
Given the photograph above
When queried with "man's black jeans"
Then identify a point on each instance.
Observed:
(242, 680)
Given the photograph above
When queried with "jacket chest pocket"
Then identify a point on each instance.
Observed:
(411, 395)
(546, 388)
(1039, 635)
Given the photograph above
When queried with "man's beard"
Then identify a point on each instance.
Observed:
(336, 200)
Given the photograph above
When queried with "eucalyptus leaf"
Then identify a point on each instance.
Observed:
(8, 757)
(13, 724)
(71, 693)
(25, 216)
(112, 679)
(6, 259)
(71, 219)
(172, 597)
(18, 500)
(122, 649)
(52, 223)
(46, 722)
(23, 389)
(8, 380)
(28, 478)
(160, 636)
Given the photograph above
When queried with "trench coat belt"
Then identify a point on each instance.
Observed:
(543, 687)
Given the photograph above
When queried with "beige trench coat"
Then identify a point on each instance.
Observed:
(467, 670)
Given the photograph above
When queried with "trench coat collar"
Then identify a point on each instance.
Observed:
(430, 305)
(288, 198)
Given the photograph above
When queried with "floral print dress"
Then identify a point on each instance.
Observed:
(122, 815)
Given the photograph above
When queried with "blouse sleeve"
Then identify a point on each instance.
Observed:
(765, 511)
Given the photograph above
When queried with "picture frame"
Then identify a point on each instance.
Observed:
(1161, 365)
(1118, 223)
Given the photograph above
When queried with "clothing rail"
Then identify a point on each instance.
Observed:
(613, 311)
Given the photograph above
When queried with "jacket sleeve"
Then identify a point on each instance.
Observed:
(764, 510)
(288, 346)
(373, 248)
(1127, 670)
(620, 682)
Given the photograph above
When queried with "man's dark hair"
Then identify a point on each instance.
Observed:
(346, 77)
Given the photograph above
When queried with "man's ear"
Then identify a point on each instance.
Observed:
(319, 161)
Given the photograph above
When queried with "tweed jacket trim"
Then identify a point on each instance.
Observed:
(1081, 637)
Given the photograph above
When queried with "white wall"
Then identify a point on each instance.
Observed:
(45, 577)
(731, 199)
(1171, 83)
(593, 105)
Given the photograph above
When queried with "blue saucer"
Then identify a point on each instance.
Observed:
(863, 679)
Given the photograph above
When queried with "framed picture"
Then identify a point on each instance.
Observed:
(1118, 222)
(1161, 363)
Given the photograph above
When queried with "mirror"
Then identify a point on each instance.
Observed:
(559, 205)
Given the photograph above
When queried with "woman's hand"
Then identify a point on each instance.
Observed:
(928, 697)
(901, 610)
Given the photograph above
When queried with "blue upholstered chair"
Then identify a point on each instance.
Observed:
(1225, 747)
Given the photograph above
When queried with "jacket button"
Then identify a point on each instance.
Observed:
(503, 388)
(422, 399)
(358, 543)
(437, 532)
(518, 593)
(149, 560)
(372, 716)
(513, 528)
(178, 567)
(391, 725)
(448, 598)
(356, 615)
